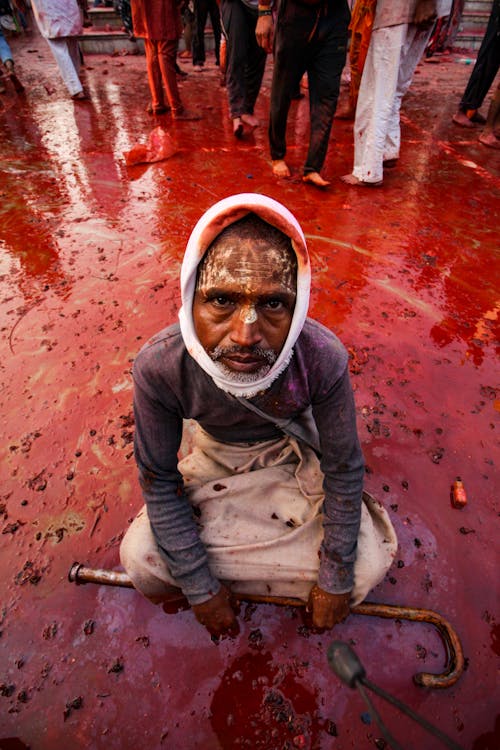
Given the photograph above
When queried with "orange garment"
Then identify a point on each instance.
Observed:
(159, 23)
(157, 20)
(360, 27)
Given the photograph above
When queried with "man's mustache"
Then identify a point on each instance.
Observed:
(256, 351)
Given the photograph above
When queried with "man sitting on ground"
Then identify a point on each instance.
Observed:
(270, 499)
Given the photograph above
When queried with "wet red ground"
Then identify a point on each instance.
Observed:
(407, 276)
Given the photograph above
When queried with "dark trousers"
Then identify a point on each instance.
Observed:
(487, 64)
(313, 40)
(202, 9)
(246, 61)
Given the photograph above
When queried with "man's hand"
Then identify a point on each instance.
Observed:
(327, 609)
(217, 614)
(425, 13)
(264, 32)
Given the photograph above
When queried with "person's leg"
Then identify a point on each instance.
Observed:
(154, 75)
(167, 52)
(412, 51)
(188, 22)
(234, 22)
(200, 20)
(59, 48)
(486, 67)
(5, 51)
(375, 102)
(327, 60)
(488, 137)
(213, 9)
(362, 16)
(289, 67)
(126, 16)
(74, 53)
(6, 58)
(255, 66)
(143, 562)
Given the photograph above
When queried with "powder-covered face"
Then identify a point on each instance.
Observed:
(243, 304)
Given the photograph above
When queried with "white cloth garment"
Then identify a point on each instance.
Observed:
(60, 22)
(393, 12)
(211, 224)
(67, 56)
(393, 55)
(57, 18)
(259, 512)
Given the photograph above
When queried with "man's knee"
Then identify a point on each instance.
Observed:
(138, 547)
(146, 569)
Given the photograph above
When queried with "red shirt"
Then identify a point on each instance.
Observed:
(157, 20)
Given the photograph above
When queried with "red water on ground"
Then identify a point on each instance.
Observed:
(90, 252)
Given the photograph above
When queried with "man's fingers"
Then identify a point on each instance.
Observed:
(224, 630)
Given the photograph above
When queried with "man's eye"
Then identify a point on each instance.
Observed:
(220, 301)
(274, 304)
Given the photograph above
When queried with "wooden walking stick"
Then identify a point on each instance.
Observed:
(453, 647)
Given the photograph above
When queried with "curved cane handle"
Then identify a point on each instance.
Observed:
(453, 647)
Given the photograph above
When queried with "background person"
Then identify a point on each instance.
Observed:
(60, 23)
(245, 62)
(401, 30)
(312, 39)
(158, 22)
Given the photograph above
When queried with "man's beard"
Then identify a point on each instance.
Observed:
(243, 377)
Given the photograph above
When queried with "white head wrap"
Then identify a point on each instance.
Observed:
(211, 224)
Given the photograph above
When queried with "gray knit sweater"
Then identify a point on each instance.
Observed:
(169, 386)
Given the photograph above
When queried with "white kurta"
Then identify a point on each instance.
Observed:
(393, 12)
(57, 18)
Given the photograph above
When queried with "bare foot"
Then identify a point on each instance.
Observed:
(489, 139)
(314, 178)
(350, 179)
(81, 96)
(280, 168)
(237, 127)
(461, 119)
(250, 120)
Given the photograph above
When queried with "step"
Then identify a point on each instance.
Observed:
(475, 19)
(104, 18)
(472, 6)
(98, 41)
(109, 43)
(467, 41)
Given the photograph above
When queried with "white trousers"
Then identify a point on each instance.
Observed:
(393, 55)
(67, 56)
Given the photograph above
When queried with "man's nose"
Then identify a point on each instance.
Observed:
(245, 330)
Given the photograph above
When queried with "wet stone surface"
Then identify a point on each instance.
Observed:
(90, 252)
